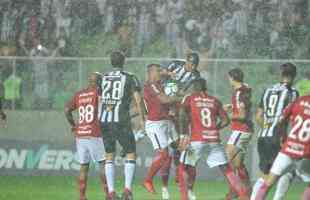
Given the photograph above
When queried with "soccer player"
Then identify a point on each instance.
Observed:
(241, 125)
(207, 117)
(295, 147)
(273, 102)
(119, 89)
(183, 73)
(157, 125)
(89, 142)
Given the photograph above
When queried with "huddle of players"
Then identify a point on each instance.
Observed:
(109, 96)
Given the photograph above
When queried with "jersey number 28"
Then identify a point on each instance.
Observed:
(301, 129)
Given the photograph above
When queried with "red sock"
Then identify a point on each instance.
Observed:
(243, 174)
(157, 163)
(306, 195)
(165, 171)
(235, 182)
(191, 171)
(104, 183)
(182, 181)
(262, 192)
(82, 187)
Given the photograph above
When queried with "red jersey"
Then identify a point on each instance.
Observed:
(297, 144)
(241, 98)
(204, 111)
(155, 109)
(86, 101)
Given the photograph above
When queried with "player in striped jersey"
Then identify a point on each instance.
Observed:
(273, 102)
(181, 72)
(119, 89)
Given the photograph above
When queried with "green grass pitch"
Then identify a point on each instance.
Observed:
(65, 188)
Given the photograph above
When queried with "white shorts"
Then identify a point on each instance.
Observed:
(172, 132)
(282, 163)
(240, 139)
(214, 153)
(91, 148)
(158, 131)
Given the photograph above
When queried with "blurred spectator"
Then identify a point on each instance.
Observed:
(9, 16)
(12, 92)
(40, 72)
(33, 23)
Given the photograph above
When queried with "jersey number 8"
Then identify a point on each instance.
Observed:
(303, 134)
(86, 114)
(205, 116)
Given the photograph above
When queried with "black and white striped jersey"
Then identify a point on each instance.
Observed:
(183, 77)
(117, 88)
(273, 102)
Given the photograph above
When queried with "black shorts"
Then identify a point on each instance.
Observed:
(112, 132)
(268, 149)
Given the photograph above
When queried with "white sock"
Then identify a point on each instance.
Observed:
(256, 187)
(109, 171)
(283, 186)
(130, 166)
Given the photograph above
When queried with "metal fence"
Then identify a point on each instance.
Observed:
(37, 138)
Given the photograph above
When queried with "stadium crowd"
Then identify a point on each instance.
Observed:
(216, 29)
(224, 28)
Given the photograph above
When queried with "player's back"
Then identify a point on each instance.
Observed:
(204, 110)
(117, 89)
(242, 96)
(86, 102)
(298, 140)
(273, 101)
(155, 109)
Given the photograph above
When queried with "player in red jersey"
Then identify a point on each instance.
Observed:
(295, 147)
(157, 124)
(241, 125)
(89, 142)
(207, 117)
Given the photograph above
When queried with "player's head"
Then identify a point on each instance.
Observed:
(94, 79)
(117, 59)
(288, 72)
(199, 85)
(235, 76)
(192, 61)
(153, 72)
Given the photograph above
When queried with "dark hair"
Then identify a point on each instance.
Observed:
(149, 66)
(236, 74)
(117, 59)
(193, 58)
(199, 84)
(288, 70)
